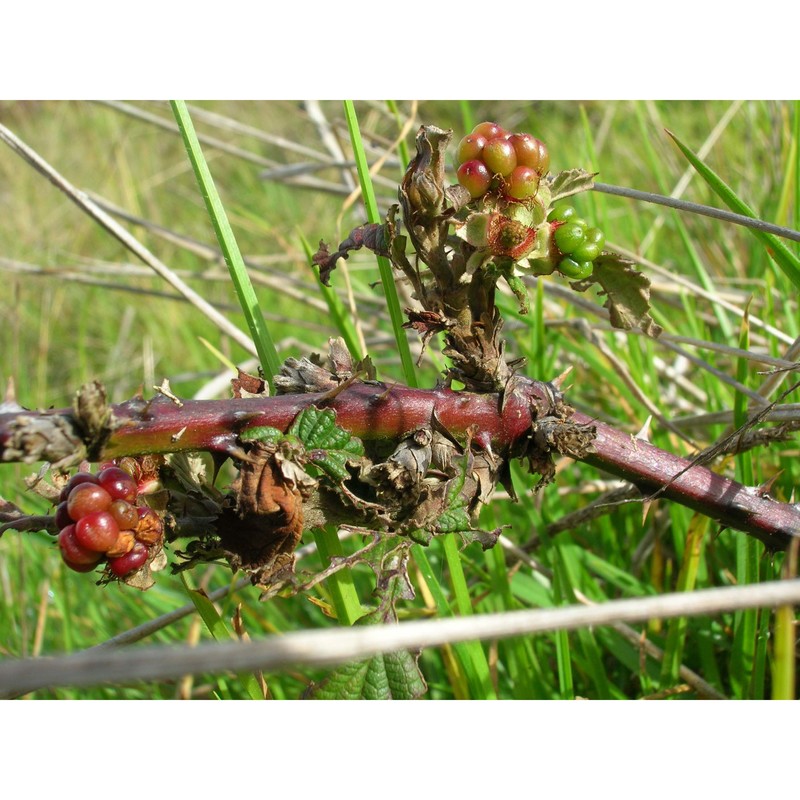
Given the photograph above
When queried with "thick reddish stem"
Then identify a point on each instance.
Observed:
(375, 411)
(655, 471)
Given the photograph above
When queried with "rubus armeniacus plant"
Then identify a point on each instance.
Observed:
(337, 447)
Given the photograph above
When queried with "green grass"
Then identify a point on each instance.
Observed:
(58, 332)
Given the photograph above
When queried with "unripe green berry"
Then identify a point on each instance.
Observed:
(586, 252)
(568, 237)
(562, 213)
(577, 270)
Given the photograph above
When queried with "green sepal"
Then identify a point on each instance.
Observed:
(520, 290)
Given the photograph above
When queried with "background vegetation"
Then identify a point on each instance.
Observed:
(76, 307)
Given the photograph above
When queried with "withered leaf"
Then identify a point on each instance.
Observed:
(246, 385)
(627, 291)
(374, 236)
(260, 533)
(570, 182)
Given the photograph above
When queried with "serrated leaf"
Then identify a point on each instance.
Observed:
(627, 291)
(329, 447)
(261, 434)
(454, 520)
(570, 182)
(389, 676)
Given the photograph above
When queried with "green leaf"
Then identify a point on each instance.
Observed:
(780, 253)
(389, 676)
(262, 433)
(386, 676)
(329, 447)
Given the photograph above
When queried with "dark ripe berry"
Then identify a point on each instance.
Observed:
(489, 130)
(125, 515)
(62, 517)
(87, 498)
(522, 183)
(568, 237)
(118, 483)
(124, 544)
(562, 213)
(499, 157)
(124, 565)
(75, 480)
(97, 531)
(475, 178)
(73, 552)
(577, 270)
(531, 152)
(150, 528)
(470, 147)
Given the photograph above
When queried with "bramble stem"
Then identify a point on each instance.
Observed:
(375, 411)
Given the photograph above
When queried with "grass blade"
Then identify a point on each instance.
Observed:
(340, 584)
(267, 354)
(780, 253)
(219, 630)
(373, 215)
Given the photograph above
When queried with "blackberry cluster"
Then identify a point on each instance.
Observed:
(493, 159)
(100, 519)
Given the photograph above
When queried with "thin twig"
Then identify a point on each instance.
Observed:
(320, 648)
(697, 208)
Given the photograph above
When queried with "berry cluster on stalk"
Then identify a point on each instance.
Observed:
(511, 217)
(508, 164)
(577, 243)
(100, 518)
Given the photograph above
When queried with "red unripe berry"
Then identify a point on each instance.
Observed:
(118, 483)
(489, 130)
(97, 531)
(475, 178)
(470, 147)
(87, 498)
(522, 183)
(531, 152)
(499, 157)
(124, 565)
(73, 552)
(75, 480)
